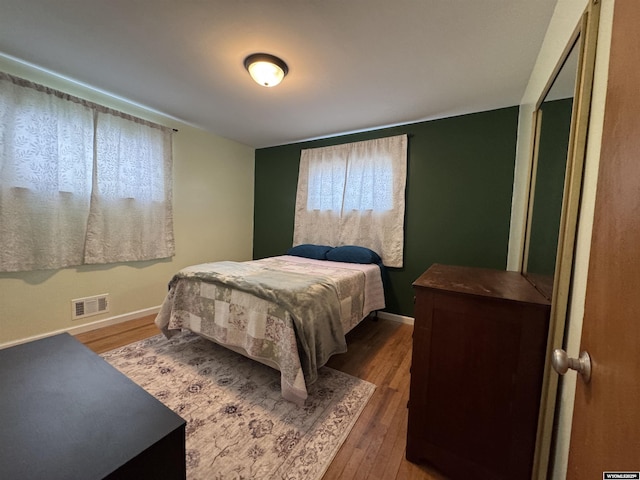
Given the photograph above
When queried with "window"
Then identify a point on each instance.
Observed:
(79, 183)
(353, 194)
(367, 183)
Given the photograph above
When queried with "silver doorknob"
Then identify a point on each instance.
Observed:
(561, 362)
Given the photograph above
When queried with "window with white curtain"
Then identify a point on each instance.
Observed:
(353, 194)
(79, 183)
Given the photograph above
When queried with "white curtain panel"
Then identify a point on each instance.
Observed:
(354, 194)
(50, 182)
(130, 217)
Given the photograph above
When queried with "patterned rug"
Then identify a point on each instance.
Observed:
(238, 424)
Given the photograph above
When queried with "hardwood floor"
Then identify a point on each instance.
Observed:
(108, 338)
(379, 352)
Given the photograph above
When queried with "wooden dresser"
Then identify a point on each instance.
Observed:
(479, 347)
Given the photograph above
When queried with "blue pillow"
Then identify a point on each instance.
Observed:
(353, 254)
(307, 250)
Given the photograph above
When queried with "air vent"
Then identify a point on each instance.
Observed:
(88, 306)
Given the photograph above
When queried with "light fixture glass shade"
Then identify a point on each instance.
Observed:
(266, 69)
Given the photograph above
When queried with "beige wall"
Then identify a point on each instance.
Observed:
(213, 220)
(566, 17)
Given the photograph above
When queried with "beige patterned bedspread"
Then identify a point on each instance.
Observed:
(260, 328)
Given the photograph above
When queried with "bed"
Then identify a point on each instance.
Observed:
(289, 312)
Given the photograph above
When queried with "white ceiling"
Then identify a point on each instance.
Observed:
(353, 64)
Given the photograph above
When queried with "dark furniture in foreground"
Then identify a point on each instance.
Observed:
(479, 348)
(65, 413)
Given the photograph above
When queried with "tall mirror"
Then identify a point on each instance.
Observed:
(553, 128)
(561, 120)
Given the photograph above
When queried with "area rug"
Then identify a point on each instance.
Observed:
(238, 424)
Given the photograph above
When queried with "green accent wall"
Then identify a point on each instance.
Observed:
(547, 205)
(458, 196)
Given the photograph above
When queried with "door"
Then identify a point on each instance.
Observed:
(605, 433)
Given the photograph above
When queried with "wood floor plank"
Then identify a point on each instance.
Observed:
(381, 466)
(380, 353)
(114, 336)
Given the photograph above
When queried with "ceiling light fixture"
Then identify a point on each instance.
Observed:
(267, 70)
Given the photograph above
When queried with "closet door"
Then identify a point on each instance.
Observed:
(606, 418)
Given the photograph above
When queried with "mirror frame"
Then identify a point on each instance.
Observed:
(586, 34)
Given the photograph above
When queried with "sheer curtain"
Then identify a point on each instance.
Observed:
(130, 215)
(353, 194)
(54, 151)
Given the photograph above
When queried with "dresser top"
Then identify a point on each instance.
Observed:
(482, 282)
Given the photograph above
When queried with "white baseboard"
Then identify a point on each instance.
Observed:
(87, 327)
(395, 317)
